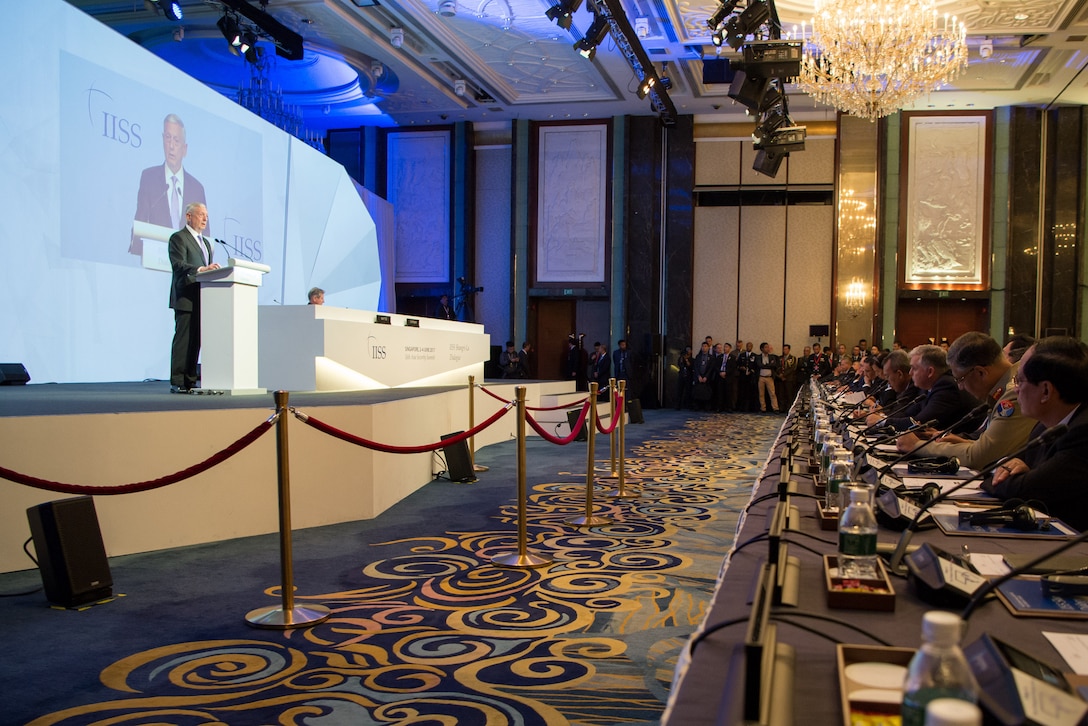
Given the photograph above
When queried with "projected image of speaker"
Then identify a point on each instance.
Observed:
(71, 555)
(458, 461)
(572, 421)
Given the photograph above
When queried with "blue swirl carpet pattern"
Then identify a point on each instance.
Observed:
(424, 630)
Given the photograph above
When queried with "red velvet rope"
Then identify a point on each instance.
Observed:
(497, 397)
(359, 441)
(615, 419)
(142, 486)
(555, 439)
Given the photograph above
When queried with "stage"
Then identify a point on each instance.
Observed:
(111, 434)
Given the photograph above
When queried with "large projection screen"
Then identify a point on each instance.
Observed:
(83, 298)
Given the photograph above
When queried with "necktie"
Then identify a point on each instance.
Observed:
(175, 202)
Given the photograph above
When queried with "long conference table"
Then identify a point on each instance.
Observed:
(709, 683)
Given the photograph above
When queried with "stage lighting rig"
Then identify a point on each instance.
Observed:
(741, 26)
(720, 14)
(598, 29)
(288, 43)
(562, 11)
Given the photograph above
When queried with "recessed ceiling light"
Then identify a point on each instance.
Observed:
(1021, 16)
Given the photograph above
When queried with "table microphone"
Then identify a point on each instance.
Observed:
(981, 408)
(992, 585)
(896, 408)
(1045, 437)
(865, 449)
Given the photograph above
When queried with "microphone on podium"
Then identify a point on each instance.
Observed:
(1045, 437)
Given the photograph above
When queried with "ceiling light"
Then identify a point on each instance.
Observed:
(447, 8)
(396, 37)
(459, 87)
(646, 86)
(642, 27)
(587, 46)
(377, 68)
(228, 26)
(561, 12)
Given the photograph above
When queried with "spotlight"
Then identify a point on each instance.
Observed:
(748, 90)
(719, 15)
(741, 26)
(248, 41)
(562, 11)
(396, 37)
(447, 8)
(768, 162)
(459, 87)
(783, 140)
(642, 27)
(171, 9)
(646, 86)
(665, 82)
(598, 29)
(228, 26)
(716, 39)
(377, 68)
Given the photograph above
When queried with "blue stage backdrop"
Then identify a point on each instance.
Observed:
(82, 149)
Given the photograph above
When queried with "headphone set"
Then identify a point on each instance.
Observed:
(1016, 514)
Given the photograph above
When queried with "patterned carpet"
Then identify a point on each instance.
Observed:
(435, 634)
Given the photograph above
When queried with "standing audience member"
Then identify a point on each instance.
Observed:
(445, 311)
(601, 368)
(1052, 387)
(766, 364)
(509, 361)
(700, 392)
(786, 377)
(684, 368)
(525, 369)
(722, 380)
(621, 361)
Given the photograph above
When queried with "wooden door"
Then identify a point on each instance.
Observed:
(550, 322)
(920, 321)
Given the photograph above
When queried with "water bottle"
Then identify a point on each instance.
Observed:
(837, 478)
(827, 449)
(939, 668)
(857, 533)
(952, 712)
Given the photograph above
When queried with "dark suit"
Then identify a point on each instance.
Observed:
(1056, 477)
(153, 201)
(944, 402)
(185, 259)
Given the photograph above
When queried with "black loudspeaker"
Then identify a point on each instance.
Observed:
(572, 421)
(458, 462)
(71, 556)
(634, 411)
(13, 374)
(819, 331)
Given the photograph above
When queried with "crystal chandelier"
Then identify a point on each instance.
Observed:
(870, 59)
(259, 98)
(855, 298)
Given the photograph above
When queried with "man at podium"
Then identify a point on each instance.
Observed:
(190, 253)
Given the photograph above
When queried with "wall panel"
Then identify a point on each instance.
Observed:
(714, 310)
(808, 272)
(762, 282)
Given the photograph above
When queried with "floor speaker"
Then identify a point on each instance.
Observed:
(634, 411)
(458, 461)
(71, 556)
(572, 421)
(13, 374)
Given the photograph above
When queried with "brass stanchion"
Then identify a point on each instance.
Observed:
(472, 425)
(286, 615)
(523, 557)
(589, 518)
(622, 492)
(612, 418)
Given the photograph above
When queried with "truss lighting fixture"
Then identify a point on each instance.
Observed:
(644, 87)
(562, 11)
(719, 15)
(768, 162)
(741, 26)
(231, 30)
(171, 9)
(396, 37)
(587, 46)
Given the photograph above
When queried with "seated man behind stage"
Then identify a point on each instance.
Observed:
(944, 401)
(980, 367)
(1052, 387)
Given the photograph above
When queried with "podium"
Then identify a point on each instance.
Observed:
(228, 327)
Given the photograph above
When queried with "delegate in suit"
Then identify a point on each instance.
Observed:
(166, 189)
(190, 253)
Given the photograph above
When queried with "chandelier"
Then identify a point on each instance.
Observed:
(259, 98)
(870, 59)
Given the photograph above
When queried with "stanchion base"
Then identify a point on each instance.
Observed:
(276, 618)
(626, 495)
(591, 521)
(480, 467)
(513, 559)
